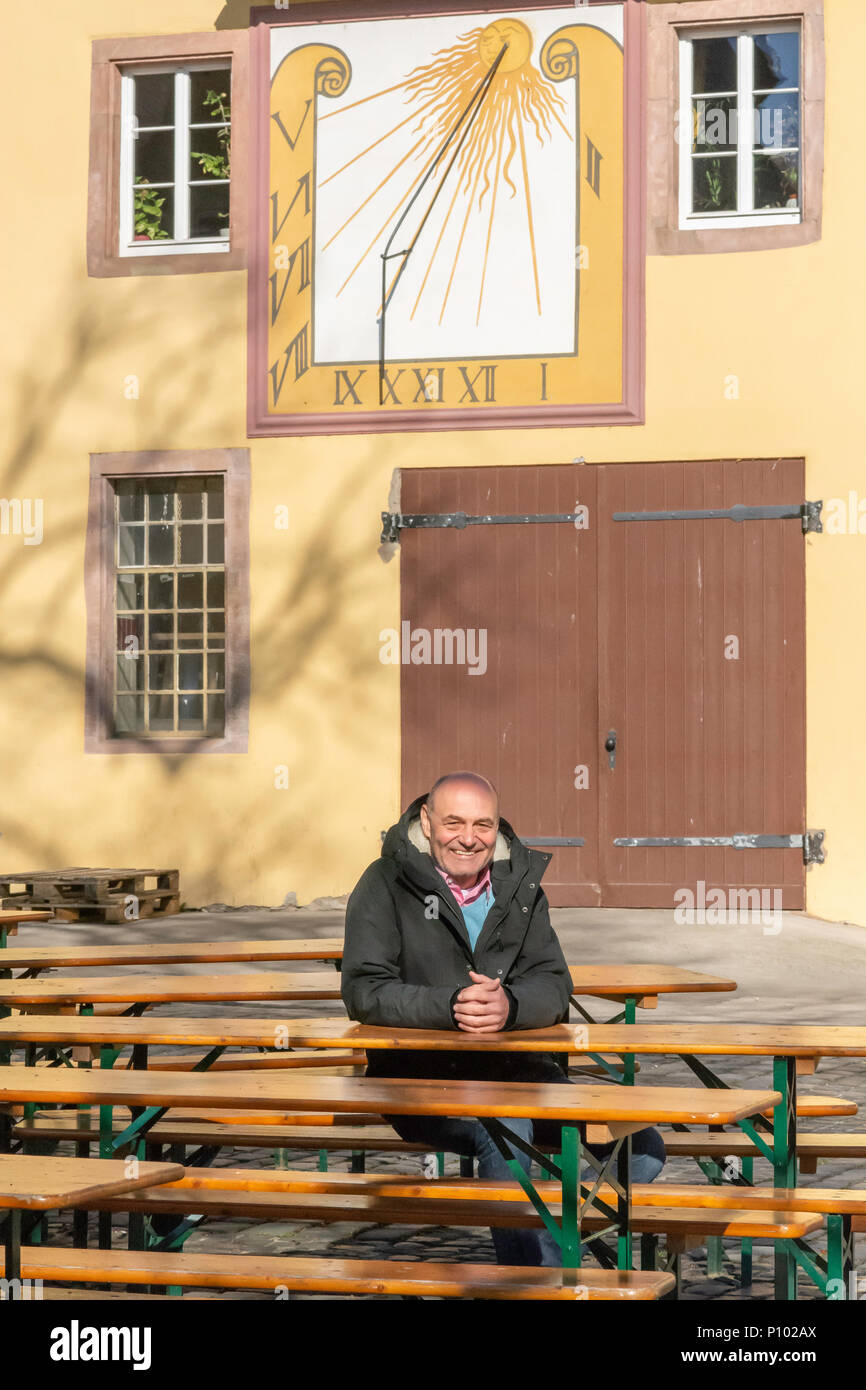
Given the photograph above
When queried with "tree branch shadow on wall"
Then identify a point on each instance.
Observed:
(305, 636)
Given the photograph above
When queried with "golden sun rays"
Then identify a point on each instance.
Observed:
(489, 74)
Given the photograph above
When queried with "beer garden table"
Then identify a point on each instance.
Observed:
(607, 1112)
(28, 1183)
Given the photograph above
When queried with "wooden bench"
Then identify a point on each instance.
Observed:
(467, 1209)
(810, 1147)
(285, 1273)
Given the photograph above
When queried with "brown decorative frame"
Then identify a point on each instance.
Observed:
(234, 464)
(109, 57)
(630, 411)
(666, 22)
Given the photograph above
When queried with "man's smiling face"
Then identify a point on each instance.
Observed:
(461, 824)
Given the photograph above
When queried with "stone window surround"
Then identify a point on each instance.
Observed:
(100, 570)
(110, 56)
(667, 21)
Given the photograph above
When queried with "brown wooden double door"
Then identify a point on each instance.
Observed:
(682, 639)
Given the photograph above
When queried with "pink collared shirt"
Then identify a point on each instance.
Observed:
(473, 892)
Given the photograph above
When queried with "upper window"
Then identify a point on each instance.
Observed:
(175, 161)
(169, 145)
(739, 127)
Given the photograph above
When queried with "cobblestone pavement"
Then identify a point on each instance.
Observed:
(809, 971)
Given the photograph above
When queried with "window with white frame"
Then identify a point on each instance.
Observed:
(740, 127)
(175, 163)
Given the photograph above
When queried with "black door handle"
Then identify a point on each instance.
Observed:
(610, 745)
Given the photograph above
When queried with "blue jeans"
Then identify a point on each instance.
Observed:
(469, 1137)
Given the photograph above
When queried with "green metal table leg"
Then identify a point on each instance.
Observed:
(623, 1175)
(840, 1257)
(746, 1245)
(785, 1166)
(570, 1165)
(628, 1057)
(323, 1160)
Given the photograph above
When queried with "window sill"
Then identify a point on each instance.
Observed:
(231, 743)
(177, 248)
(726, 222)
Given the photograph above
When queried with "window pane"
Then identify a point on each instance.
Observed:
(777, 61)
(153, 157)
(161, 712)
(209, 153)
(214, 497)
(210, 95)
(216, 590)
(215, 546)
(216, 714)
(190, 713)
(714, 123)
(130, 714)
(715, 65)
(130, 502)
(160, 545)
(776, 180)
(216, 671)
(154, 99)
(191, 625)
(208, 209)
(190, 590)
(130, 633)
(191, 545)
(130, 673)
(714, 184)
(777, 120)
(160, 672)
(216, 631)
(160, 591)
(190, 497)
(153, 213)
(161, 505)
(160, 631)
(190, 671)
(130, 591)
(130, 545)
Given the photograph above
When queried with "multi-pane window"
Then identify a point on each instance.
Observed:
(739, 127)
(175, 165)
(170, 607)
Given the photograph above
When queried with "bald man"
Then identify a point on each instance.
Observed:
(450, 928)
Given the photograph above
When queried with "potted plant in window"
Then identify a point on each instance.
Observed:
(147, 213)
(217, 166)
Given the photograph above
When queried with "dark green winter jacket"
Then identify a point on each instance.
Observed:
(407, 954)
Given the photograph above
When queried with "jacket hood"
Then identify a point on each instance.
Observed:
(407, 843)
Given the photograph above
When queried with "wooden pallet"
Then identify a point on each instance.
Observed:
(96, 895)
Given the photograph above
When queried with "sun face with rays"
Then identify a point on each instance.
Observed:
(513, 109)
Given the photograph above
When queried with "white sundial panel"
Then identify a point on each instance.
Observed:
(493, 269)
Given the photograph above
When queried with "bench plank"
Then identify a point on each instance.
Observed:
(168, 989)
(168, 952)
(434, 1280)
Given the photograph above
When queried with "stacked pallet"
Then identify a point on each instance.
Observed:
(95, 895)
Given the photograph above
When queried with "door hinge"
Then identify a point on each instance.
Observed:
(395, 522)
(811, 843)
(807, 513)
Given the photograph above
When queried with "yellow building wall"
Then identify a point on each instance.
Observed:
(787, 324)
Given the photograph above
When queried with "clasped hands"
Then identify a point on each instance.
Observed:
(482, 1007)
